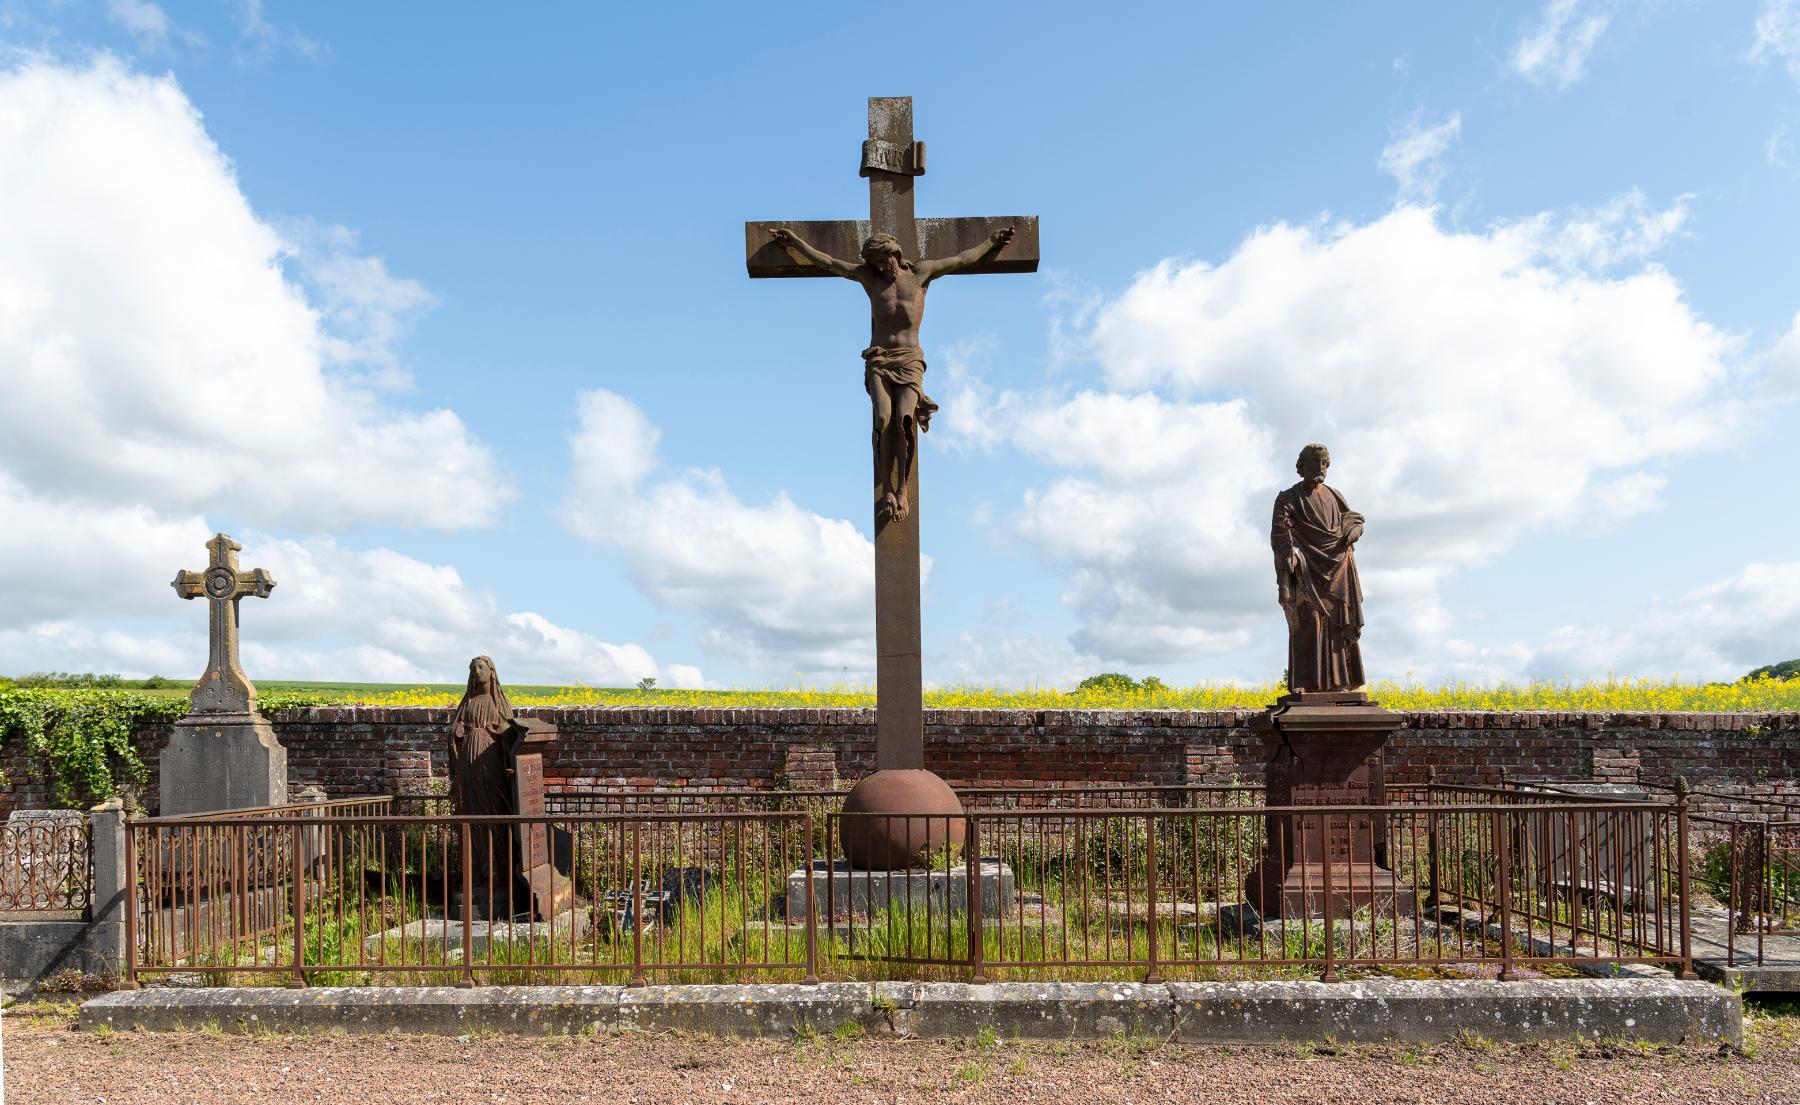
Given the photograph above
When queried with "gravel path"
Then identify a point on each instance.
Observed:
(47, 1062)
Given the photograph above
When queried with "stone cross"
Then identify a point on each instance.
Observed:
(891, 159)
(224, 689)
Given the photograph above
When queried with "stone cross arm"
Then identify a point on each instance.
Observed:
(223, 689)
(937, 238)
(223, 583)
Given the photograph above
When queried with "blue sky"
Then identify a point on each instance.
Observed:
(445, 318)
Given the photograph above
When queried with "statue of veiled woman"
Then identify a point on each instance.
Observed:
(482, 735)
(483, 742)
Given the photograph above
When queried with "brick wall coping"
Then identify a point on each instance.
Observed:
(1036, 718)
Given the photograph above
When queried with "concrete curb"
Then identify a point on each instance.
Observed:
(1375, 1011)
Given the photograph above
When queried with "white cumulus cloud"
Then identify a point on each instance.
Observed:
(1777, 34)
(155, 350)
(1554, 52)
(87, 589)
(1781, 365)
(1475, 388)
(1719, 631)
(146, 21)
(1414, 157)
(1622, 231)
(174, 361)
(777, 585)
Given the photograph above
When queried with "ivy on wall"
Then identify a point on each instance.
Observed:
(84, 737)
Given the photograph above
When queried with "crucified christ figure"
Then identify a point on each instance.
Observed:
(894, 365)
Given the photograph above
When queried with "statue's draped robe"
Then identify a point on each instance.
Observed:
(899, 366)
(1325, 595)
(481, 784)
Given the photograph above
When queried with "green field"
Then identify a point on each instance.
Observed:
(1762, 695)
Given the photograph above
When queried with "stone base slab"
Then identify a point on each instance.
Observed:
(1389, 1011)
(868, 892)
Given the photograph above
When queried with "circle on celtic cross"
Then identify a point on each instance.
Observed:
(220, 582)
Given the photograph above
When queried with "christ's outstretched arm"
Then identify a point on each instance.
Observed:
(931, 270)
(800, 251)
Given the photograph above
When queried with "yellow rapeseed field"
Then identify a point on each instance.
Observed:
(1627, 695)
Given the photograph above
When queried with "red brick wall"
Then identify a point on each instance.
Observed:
(362, 750)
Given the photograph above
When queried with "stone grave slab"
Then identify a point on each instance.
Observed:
(447, 933)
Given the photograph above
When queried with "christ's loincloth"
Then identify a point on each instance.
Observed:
(903, 366)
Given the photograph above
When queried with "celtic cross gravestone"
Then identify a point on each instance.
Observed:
(223, 754)
(224, 689)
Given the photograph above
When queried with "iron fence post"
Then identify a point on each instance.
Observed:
(1150, 976)
(1329, 912)
(297, 863)
(131, 888)
(833, 829)
(972, 872)
(1502, 823)
(1433, 895)
(1683, 878)
(637, 906)
(240, 887)
(812, 918)
(466, 842)
(1735, 913)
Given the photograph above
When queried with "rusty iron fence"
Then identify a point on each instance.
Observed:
(1749, 858)
(46, 867)
(356, 806)
(647, 893)
(1024, 884)
(586, 800)
(1745, 854)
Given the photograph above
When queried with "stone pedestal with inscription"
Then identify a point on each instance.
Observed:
(1325, 749)
(221, 762)
(552, 893)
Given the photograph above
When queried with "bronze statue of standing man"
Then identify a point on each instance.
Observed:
(893, 365)
(1313, 534)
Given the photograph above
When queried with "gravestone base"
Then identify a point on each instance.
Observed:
(846, 891)
(221, 762)
(1325, 749)
(1300, 891)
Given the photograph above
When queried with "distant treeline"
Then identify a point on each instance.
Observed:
(87, 679)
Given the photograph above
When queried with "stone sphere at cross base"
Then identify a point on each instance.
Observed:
(893, 817)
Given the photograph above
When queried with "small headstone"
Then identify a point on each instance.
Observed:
(1234, 919)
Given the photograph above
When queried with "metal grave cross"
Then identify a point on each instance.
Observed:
(224, 689)
(891, 159)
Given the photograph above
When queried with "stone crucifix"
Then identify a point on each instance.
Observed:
(900, 257)
(224, 689)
